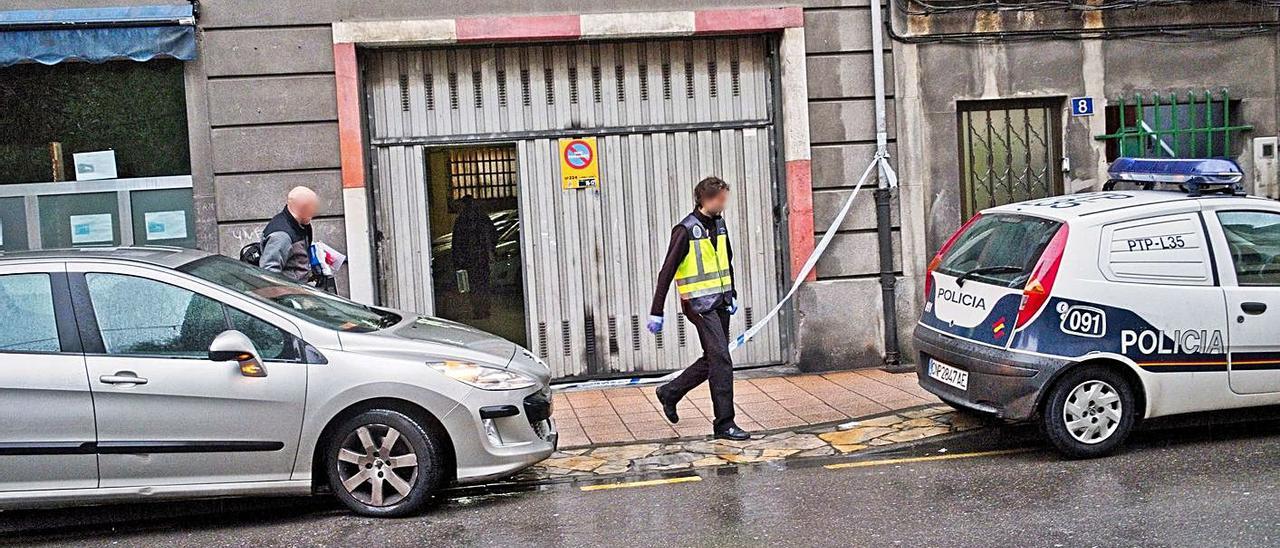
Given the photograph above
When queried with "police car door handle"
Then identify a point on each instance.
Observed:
(1253, 308)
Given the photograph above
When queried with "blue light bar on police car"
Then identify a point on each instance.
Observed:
(1200, 171)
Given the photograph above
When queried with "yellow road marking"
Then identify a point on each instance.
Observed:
(645, 483)
(930, 458)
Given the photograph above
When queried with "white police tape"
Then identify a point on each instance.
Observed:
(880, 160)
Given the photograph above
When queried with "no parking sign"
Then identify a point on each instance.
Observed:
(579, 164)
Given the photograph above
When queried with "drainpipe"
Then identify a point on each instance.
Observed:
(887, 180)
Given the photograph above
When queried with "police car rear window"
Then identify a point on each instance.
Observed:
(999, 249)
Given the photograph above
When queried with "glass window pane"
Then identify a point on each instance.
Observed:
(13, 224)
(138, 110)
(1254, 240)
(138, 316)
(163, 217)
(271, 342)
(28, 297)
(79, 220)
(1000, 249)
(297, 300)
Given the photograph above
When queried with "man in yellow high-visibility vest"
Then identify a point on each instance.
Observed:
(700, 261)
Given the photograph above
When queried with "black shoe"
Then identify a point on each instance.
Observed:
(668, 406)
(733, 433)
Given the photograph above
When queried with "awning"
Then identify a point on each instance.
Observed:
(97, 35)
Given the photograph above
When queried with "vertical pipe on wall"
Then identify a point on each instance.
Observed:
(884, 193)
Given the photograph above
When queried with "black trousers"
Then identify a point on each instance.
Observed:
(714, 366)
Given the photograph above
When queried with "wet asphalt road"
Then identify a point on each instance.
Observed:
(1206, 483)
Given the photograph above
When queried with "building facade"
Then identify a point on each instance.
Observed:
(396, 111)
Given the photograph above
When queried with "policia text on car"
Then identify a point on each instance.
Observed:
(699, 260)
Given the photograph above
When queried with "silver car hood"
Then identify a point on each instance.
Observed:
(433, 337)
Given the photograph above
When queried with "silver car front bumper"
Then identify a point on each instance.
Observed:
(498, 433)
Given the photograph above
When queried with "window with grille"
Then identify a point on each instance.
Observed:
(484, 173)
(1010, 151)
(1173, 125)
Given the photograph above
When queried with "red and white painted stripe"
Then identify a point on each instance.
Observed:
(788, 20)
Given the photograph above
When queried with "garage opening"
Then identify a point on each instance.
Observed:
(475, 238)
(659, 115)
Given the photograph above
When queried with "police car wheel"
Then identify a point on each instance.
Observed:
(1089, 413)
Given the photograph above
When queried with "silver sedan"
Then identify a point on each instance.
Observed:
(140, 373)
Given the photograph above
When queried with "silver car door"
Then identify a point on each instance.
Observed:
(47, 434)
(1250, 267)
(166, 414)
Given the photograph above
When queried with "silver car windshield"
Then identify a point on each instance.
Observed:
(306, 302)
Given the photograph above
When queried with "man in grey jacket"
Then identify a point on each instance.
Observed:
(286, 241)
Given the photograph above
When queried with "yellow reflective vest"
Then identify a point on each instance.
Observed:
(704, 273)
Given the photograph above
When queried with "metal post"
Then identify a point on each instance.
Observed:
(884, 194)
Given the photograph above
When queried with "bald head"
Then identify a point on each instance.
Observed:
(303, 203)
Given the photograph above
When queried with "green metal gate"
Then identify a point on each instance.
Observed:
(1172, 125)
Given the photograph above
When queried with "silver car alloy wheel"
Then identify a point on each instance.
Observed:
(1092, 412)
(377, 465)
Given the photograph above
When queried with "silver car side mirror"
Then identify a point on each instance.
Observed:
(232, 345)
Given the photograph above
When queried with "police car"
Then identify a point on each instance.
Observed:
(1089, 312)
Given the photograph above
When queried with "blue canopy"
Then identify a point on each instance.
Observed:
(97, 35)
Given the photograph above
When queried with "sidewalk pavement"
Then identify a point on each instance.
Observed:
(633, 414)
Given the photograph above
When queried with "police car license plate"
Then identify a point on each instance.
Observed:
(948, 375)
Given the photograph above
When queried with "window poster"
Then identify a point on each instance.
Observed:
(92, 229)
(166, 225)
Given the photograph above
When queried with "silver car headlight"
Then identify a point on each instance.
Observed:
(482, 376)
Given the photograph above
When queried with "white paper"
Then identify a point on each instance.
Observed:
(92, 166)
(92, 229)
(330, 259)
(165, 225)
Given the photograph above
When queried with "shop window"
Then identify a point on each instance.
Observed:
(137, 110)
(1194, 125)
(141, 191)
(1010, 151)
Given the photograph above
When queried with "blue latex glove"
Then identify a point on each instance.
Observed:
(655, 324)
(733, 306)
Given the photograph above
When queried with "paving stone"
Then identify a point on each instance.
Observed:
(708, 461)
(613, 468)
(856, 435)
(625, 452)
(579, 463)
(926, 412)
(554, 472)
(741, 459)
(850, 448)
(799, 441)
(919, 423)
(966, 421)
(570, 452)
(709, 447)
(659, 461)
(915, 434)
(879, 441)
(887, 420)
(677, 466)
(778, 453)
(823, 451)
(733, 443)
